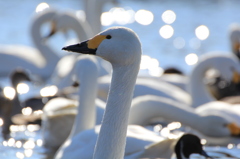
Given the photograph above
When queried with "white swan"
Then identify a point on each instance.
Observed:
(146, 86)
(125, 62)
(60, 112)
(39, 62)
(198, 93)
(226, 63)
(218, 129)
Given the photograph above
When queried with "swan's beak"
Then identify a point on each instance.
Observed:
(234, 129)
(236, 77)
(80, 48)
(86, 47)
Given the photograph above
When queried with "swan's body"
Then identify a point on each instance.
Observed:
(211, 125)
(61, 112)
(39, 62)
(125, 62)
(146, 86)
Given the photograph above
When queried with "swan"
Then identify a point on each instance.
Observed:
(194, 98)
(216, 128)
(125, 64)
(13, 57)
(226, 63)
(147, 86)
(60, 112)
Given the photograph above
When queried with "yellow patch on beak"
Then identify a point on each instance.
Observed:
(236, 46)
(234, 129)
(236, 77)
(95, 41)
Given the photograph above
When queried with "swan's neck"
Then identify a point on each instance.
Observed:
(197, 88)
(51, 58)
(81, 28)
(86, 116)
(149, 107)
(112, 137)
(93, 10)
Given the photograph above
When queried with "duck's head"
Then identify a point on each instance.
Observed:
(189, 144)
(110, 44)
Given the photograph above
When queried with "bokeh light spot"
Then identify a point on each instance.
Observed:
(169, 16)
(166, 31)
(191, 59)
(144, 17)
(202, 32)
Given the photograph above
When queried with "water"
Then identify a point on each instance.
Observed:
(217, 15)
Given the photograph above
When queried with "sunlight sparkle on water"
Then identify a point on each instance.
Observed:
(9, 92)
(174, 125)
(42, 6)
(202, 32)
(117, 15)
(27, 111)
(165, 132)
(144, 17)
(191, 59)
(1, 122)
(49, 91)
(28, 152)
(20, 155)
(203, 141)
(166, 31)
(29, 144)
(22, 88)
(11, 142)
(230, 146)
(169, 16)
(18, 144)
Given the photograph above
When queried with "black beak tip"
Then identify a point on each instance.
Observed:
(64, 48)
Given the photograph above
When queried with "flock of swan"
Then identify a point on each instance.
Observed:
(106, 115)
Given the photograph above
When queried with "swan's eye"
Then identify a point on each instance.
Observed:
(108, 37)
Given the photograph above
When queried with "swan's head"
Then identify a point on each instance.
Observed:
(118, 45)
(226, 63)
(189, 144)
(217, 126)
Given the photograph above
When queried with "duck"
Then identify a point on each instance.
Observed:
(81, 111)
(205, 121)
(22, 56)
(181, 147)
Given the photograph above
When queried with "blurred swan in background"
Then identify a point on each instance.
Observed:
(226, 63)
(211, 122)
(198, 93)
(60, 112)
(40, 62)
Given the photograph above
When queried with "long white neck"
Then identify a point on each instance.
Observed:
(197, 88)
(86, 116)
(93, 10)
(112, 137)
(50, 56)
(82, 29)
(147, 107)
